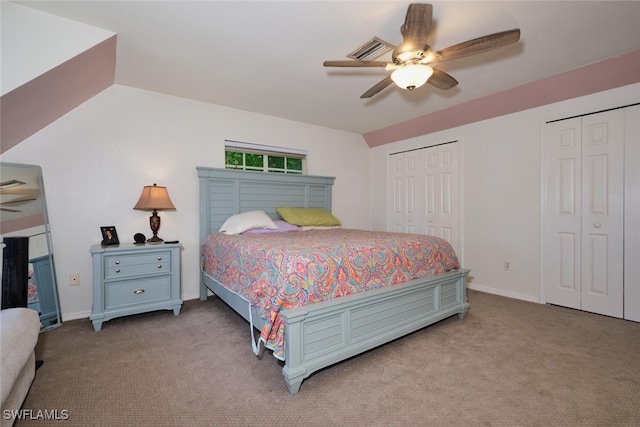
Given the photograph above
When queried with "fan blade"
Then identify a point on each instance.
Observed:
(415, 30)
(417, 25)
(18, 201)
(377, 87)
(441, 80)
(354, 64)
(479, 45)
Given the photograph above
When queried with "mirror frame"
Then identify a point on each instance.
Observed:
(47, 232)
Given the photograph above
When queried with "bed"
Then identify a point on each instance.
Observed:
(319, 334)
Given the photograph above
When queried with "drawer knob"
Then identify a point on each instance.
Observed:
(138, 291)
(159, 265)
(159, 258)
(117, 270)
(117, 261)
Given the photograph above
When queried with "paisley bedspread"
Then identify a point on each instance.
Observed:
(283, 270)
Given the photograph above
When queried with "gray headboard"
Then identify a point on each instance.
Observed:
(225, 192)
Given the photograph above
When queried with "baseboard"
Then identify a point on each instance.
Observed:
(188, 297)
(85, 314)
(75, 316)
(502, 293)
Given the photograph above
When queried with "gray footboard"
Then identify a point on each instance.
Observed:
(325, 333)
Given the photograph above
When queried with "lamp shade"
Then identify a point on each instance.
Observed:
(154, 197)
(411, 76)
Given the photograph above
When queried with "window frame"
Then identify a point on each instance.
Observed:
(288, 157)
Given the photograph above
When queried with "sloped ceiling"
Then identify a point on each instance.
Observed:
(266, 56)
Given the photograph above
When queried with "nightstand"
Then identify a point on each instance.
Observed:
(131, 279)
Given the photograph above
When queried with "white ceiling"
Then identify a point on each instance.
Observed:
(266, 56)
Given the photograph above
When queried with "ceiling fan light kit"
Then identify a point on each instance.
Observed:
(411, 76)
(413, 59)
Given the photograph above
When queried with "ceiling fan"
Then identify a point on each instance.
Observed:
(412, 59)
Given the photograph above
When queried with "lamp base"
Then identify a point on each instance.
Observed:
(154, 222)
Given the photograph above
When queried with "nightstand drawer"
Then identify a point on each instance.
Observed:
(136, 270)
(141, 291)
(133, 259)
(123, 266)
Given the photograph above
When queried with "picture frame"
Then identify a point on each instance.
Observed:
(109, 236)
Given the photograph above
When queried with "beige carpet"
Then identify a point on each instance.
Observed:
(507, 363)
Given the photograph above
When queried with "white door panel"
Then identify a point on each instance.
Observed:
(602, 213)
(562, 221)
(424, 194)
(632, 214)
(449, 195)
(584, 193)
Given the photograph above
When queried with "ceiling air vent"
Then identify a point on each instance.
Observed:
(371, 50)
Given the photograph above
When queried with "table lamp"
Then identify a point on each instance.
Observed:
(154, 198)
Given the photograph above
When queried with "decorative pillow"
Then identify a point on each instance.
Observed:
(282, 228)
(307, 216)
(242, 222)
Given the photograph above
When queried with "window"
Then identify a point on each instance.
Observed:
(263, 158)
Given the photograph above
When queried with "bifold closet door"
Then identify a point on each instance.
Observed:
(632, 213)
(603, 213)
(424, 192)
(438, 169)
(584, 202)
(402, 185)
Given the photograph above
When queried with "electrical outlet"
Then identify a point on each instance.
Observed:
(74, 279)
(507, 265)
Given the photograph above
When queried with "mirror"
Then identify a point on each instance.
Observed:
(25, 236)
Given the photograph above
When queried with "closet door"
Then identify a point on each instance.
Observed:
(563, 234)
(424, 192)
(440, 188)
(603, 213)
(402, 175)
(584, 194)
(632, 214)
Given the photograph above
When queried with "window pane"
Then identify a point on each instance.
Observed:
(276, 162)
(255, 160)
(294, 164)
(233, 158)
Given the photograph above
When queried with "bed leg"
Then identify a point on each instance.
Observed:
(463, 313)
(293, 377)
(203, 292)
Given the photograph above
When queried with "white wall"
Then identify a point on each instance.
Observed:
(34, 42)
(97, 158)
(502, 199)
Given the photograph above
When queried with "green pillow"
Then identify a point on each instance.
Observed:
(307, 216)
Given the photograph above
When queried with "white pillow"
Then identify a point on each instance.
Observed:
(242, 222)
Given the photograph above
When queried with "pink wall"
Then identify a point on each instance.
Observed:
(39, 102)
(12, 225)
(609, 74)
